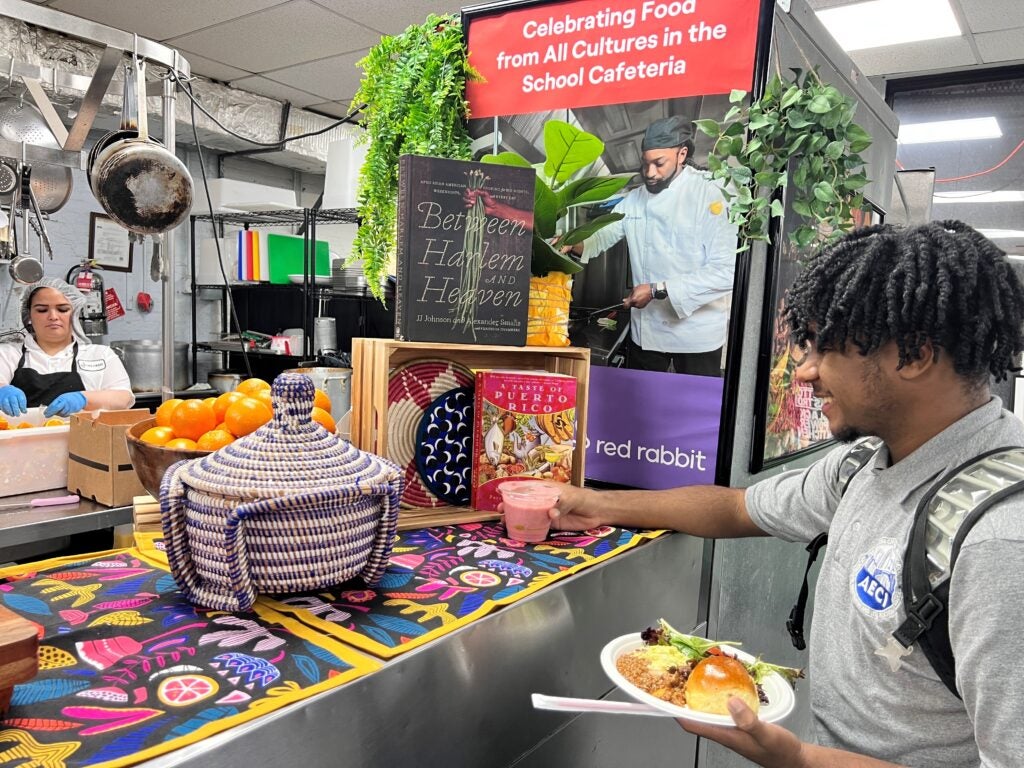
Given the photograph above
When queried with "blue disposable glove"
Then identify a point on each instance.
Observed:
(12, 400)
(65, 405)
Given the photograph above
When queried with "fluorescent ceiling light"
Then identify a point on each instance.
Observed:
(889, 22)
(1002, 234)
(1002, 196)
(950, 130)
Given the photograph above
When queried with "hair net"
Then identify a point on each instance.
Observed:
(72, 294)
(668, 132)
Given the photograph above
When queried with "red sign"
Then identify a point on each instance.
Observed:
(586, 53)
(112, 304)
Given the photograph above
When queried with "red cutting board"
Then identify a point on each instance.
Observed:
(19, 654)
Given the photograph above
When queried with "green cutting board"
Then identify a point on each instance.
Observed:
(286, 257)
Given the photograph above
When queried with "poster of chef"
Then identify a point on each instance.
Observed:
(653, 299)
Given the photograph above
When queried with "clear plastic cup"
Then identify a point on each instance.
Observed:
(526, 504)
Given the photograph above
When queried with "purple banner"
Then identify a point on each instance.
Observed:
(652, 430)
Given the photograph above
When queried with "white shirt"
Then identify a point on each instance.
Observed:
(681, 235)
(98, 365)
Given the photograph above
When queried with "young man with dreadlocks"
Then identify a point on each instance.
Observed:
(902, 329)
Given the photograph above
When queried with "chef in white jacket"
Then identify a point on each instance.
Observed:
(682, 253)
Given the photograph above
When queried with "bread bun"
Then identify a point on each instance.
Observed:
(714, 680)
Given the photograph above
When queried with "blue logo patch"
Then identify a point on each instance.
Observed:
(877, 581)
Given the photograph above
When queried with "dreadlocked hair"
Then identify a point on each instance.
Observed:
(942, 282)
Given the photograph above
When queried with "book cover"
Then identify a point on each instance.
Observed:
(465, 237)
(524, 426)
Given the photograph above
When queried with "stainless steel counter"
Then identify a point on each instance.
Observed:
(464, 700)
(24, 528)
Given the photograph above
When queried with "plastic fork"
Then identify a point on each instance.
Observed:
(568, 704)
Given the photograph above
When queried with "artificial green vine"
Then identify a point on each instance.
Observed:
(805, 121)
(413, 89)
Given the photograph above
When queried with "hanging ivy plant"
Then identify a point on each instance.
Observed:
(413, 92)
(806, 122)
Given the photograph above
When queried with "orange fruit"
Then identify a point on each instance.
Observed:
(246, 415)
(214, 439)
(320, 416)
(220, 406)
(264, 397)
(54, 422)
(321, 400)
(224, 427)
(210, 401)
(4, 424)
(163, 413)
(157, 435)
(181, 444)
(25, 425)
(192, 418)
(251, 386)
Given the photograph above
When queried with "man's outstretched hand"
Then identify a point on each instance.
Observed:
(766, 744)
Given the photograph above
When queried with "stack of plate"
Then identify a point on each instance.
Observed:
(348, 278)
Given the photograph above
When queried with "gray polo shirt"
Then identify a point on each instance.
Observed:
(908, 716)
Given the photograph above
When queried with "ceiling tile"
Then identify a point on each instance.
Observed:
(214, 70)
(990, 15)
(158, 19)
(391, 18)
(924, 55)
(265, 87)
(1000, 46)
(287, 34)
(334, 79)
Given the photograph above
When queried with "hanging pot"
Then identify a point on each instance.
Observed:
(23, 269)
(142, 186)
(23, 122)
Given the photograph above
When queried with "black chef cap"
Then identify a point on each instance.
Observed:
(672, 131)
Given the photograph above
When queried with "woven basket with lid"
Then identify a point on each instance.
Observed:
(288, 508)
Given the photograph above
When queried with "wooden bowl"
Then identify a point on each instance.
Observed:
(151, 461)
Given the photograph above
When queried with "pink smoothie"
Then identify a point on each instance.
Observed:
(526, 504)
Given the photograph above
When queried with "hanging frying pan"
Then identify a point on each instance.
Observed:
(23, 122)
(140, 184)
(129, 128)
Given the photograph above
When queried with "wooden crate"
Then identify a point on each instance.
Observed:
(374, 359)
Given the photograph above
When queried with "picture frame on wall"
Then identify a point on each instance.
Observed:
(110, 247)
(788, 422)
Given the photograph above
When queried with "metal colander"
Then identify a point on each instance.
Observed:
(8, 178)
(21, 121)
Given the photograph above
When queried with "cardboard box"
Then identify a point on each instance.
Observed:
(98, 463)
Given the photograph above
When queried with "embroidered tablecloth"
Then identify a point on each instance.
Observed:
(440, 579)
(130, 670)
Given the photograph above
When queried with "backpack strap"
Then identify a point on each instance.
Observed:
(795, 622)
(944, 517)
(855, 459)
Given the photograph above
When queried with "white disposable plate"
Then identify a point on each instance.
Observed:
(780, 694)
(320, 279)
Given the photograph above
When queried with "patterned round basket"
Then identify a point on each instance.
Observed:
(288, 508)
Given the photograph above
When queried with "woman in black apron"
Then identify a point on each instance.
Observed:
(50, 313)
